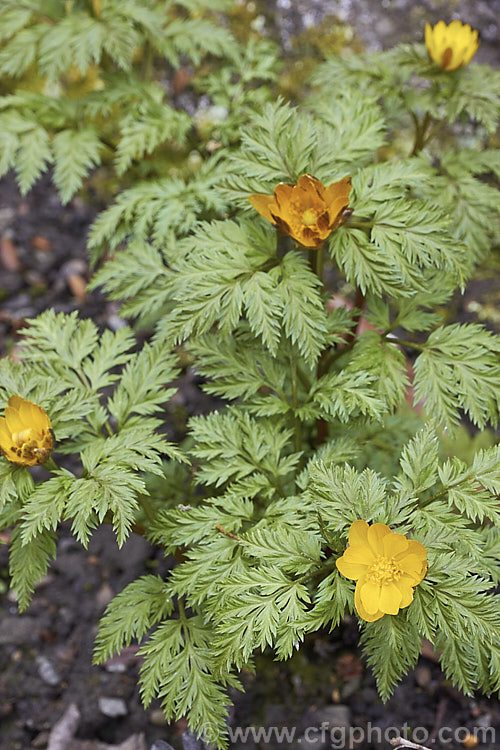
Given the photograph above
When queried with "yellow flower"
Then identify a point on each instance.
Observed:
(387, 567)
(307, 211)
(26, 436)
(452, 46)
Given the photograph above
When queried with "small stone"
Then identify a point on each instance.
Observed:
(47, 671)
(161, 745)
(331, 721)
(18, 630)
(112, 707)
(423, 676)
(41, 740)
(104, 595)
(334, 716)
(157, 718)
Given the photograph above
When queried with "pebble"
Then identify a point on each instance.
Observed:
(18, 630)
(328, 719)
(41, 740)
(423, 676)
(161, 745)
(47, 671)
(112, 707)
(157, 718)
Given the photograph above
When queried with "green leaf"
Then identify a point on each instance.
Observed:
(28, 563)
(76, 152)
(459, 369)
(391, 646)
(131, 614)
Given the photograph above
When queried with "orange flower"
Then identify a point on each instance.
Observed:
(307, 211)
(451, 46)
(387, 567)
(26, 436)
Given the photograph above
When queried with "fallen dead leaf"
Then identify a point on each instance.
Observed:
(41, 243)
(8, 255)
(78, 286)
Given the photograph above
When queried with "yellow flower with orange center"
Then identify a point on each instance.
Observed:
(26, 435)
(387, 567)
(307, 211)
(452, 46)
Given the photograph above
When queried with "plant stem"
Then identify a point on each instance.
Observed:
(51, 465)
(147, 507)
(318, 265)
(402, 342)
(297, 426)
(359, 303)
(359, 224)
(420, 130)
(182, 611)
(147, 61)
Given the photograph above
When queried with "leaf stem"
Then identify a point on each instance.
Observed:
(297, 426)
(420, 131)
(402, 342)
(319, 264)
(51, 465)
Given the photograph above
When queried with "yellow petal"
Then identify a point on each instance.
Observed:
(376, 534)
(354, 562)
(16, 401)
(414, 548)
(350, 570)
(390, 599)
(312, 185)
(440, 36)
(394, 544)
(283, 195)
(358, 533)
(412, 566)
(406, 590)
(263, 203)
(370, 596)
(362, 612)
(14, 422)
(429, 40)
(5, 435)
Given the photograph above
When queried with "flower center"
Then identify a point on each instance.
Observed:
(446, 57)
(383, 570)
(309, 217)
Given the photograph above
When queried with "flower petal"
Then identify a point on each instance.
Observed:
(390, 599)
(355, 561)
(358, 533)
(351, 570)
(338, 191)
(407, 590)
(360, 609)
(376, 534)
(16, 401)
(415, 548)
(312, 184)
(14, 422)
(263, 203)
(282, 195)
(413, 567)
(5, 435)
(429, 40)
(370, 596)
(394, 544)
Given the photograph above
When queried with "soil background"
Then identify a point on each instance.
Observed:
(45, 654)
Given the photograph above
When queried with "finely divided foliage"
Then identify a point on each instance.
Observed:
(312, 429)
